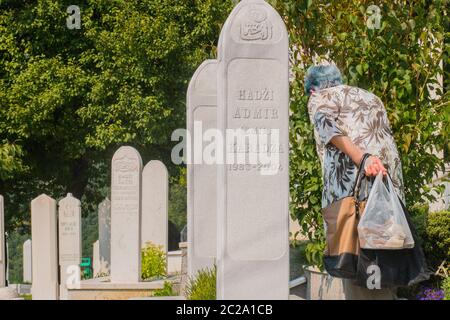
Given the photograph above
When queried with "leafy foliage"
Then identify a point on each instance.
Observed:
(446, 288)
(10, 160)
(15, 262)
(69, 98)
(438, 236)
(166, 291)
(434, 232)
(203, 285)
(153, 262)
(398, 62)
(177, 205)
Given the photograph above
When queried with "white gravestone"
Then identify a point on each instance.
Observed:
(202, 177)
(96, 258)
(7, 262)
(253, 205)
(126, 216)
(44, 249)
(2, 245)
(155, 205)
(69, 244)
(27, 262)
(104, 234)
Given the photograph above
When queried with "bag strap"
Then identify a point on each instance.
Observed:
(360, 175)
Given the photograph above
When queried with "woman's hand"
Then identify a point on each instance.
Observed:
(373, 166)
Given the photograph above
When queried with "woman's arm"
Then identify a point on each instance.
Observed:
(329, 132)
(373, 165)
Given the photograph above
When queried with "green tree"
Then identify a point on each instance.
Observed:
(397, 62)
(69, 98)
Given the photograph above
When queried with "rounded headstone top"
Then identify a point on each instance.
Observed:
(125, 156)
(155, 165)
(204, 79)
(27, 243)
(105, 203)
(253, 22)
(70, 200)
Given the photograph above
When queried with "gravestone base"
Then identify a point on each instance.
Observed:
(103, 289)
(174, 261)
(184, 266)
(320, 286)
(21, 288)
(24, 288)
(8, 293)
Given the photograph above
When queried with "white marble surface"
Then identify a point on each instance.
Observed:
(44, 249)
(27, 262)
(155, 205)
(69, 232)
(253, 208)
(126, 216)
(202, 177)
(96, 258)
(104, 234)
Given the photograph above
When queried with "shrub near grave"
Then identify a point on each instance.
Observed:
(434, 232)
(203, 286)
(166, 291)
(446, 288)
(153, 262)
(438, 233)
(388, 61)
(434, 235)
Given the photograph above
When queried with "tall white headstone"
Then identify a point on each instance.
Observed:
(104, 234)
(253, 199)
(69, 244)
(126, 216)
(96, 258)
(2, 245)
(44, 249)
(155, 205)
(201, 175)
(27, 262)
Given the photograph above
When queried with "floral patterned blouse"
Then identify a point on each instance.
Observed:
(349, 111)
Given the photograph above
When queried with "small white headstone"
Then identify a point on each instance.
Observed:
(96, 258)
(7, 263)
(155, 205)
(44, 249)
(104, 234)
(27, 262)
(9, 293)
(202, 177)
(69, 244)
(253, 200)
(126, 216)
(2, 245)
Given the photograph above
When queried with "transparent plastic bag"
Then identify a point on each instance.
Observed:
(383, 224)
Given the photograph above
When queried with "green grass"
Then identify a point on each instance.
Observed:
(203, 285)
